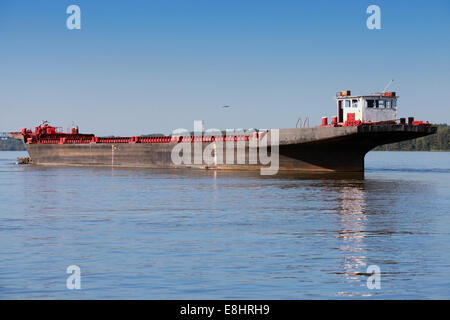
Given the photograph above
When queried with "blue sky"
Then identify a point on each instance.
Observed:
(137, 67)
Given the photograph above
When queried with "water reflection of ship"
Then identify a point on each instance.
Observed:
(352, 235)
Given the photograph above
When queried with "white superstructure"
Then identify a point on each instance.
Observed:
(374, 107)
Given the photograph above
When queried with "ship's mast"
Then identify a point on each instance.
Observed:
(388, 85)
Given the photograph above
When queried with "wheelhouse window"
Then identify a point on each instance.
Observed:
(381, 104)
(355, 103)
(370, 103)
(388, 104)
(347, 103)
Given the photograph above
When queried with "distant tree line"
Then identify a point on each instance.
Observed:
(11, 145)
(435, 142)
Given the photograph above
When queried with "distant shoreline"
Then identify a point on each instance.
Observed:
(409, 150)
(435, 142)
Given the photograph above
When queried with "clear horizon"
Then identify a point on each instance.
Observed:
(145, 67)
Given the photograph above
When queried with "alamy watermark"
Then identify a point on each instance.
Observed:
(74, 20)
(232, 147)
(374, 280)
(374, 20)
(74, 280)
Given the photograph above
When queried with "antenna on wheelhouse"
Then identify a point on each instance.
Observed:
(388, 85)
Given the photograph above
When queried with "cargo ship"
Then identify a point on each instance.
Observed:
(362, 123)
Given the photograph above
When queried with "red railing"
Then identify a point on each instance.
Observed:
(116, 140)
(351, 122)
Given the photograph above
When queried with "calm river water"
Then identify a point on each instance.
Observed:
(143, 234)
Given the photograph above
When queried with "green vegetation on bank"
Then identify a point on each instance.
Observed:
(435, 142)
(11, 145)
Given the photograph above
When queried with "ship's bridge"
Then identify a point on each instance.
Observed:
(376, 107)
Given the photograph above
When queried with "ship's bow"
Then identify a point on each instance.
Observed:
(340, 148)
